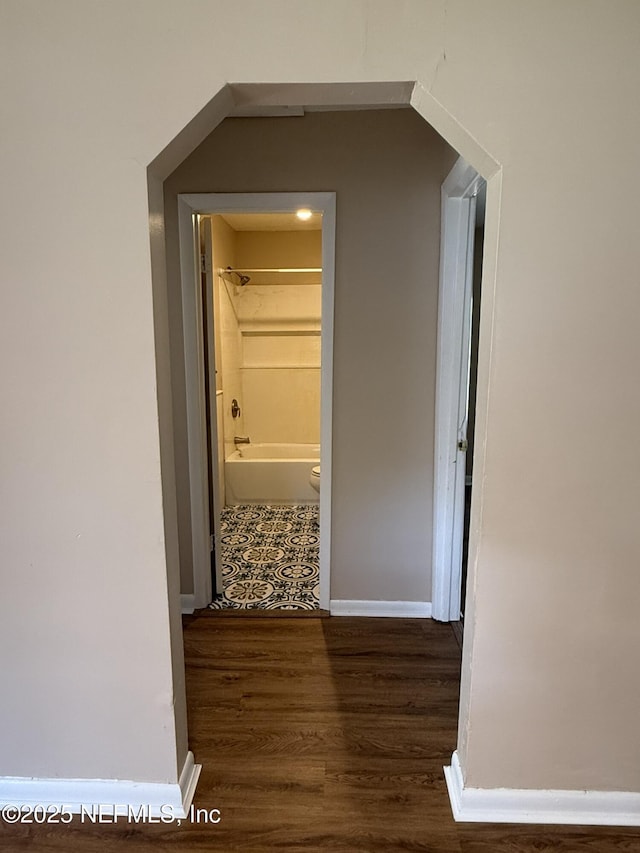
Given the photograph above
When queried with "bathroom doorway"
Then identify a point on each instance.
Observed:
(258, 330)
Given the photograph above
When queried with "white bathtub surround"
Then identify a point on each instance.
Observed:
(271, 474)
(278, 319)
(282, 404)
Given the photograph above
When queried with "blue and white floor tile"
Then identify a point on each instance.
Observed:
(270, 558)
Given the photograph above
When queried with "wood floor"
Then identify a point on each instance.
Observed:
(321, 734)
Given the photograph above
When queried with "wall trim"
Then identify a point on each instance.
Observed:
(513, 805)
(78, 794)
(187, 603)
(400, 609)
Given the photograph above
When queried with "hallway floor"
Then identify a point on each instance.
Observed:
(321, 734)
(270, 558)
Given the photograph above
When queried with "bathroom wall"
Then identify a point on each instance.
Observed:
(280, 318)
(386, 167)
(227, 331)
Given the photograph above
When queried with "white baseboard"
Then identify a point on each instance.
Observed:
(512, 805)
(188, 603)
(188, 781)
(77, 795)
(401, 609)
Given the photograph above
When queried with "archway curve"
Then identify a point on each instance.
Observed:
(279, 98)
(276, 99)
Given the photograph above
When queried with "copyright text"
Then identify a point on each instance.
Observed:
(106, 813)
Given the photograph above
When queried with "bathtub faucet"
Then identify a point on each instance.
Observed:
(241, 439)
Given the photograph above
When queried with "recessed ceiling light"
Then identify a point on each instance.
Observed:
(304, 214)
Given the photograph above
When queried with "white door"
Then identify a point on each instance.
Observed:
(452, 386)
(213, 473)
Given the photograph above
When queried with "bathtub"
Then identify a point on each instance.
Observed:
(271, 474)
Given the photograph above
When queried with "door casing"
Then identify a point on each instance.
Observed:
(458, 195)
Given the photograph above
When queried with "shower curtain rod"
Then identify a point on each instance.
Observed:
(286, 269)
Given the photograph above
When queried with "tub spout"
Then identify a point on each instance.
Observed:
(241, 439)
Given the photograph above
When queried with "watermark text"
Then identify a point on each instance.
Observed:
(106, 813)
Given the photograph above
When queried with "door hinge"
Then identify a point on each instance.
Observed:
(203, 263)
(212, 542)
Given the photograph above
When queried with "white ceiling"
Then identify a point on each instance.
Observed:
(272, 222)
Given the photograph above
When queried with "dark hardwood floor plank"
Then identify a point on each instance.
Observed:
(321, 734)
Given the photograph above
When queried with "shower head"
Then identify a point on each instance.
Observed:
(228, 272)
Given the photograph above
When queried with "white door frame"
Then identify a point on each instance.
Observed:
(459, 192)
(210, 343)
(189, 206)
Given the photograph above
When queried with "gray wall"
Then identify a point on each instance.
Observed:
(386, 167)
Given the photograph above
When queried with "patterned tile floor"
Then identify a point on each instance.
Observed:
(270, 558)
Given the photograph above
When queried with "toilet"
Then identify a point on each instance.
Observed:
(314, 478)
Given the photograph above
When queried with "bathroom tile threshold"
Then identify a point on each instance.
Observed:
(270, 561)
